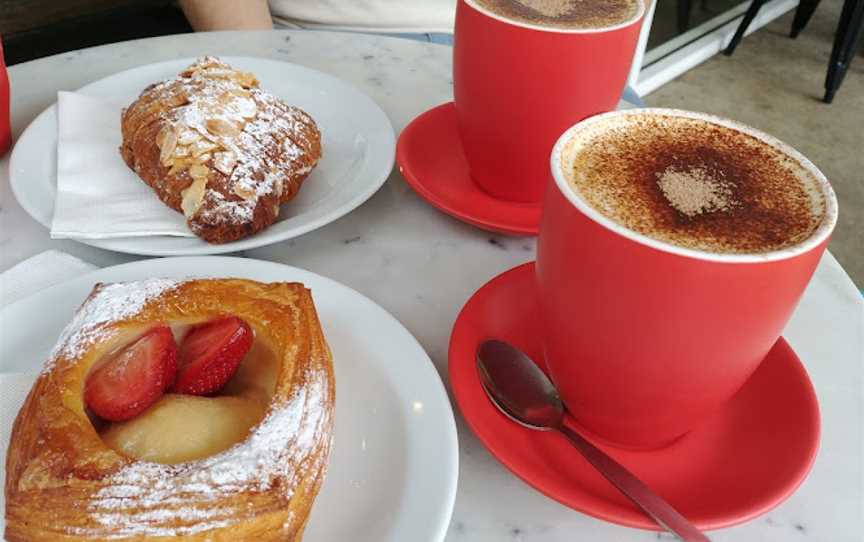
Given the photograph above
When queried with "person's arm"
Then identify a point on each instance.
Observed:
(206, 15)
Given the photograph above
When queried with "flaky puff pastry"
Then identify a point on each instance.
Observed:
(63, 483)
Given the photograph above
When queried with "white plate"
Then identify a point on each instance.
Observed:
(358, 152)
(392, 475)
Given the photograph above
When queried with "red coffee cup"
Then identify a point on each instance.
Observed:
(5, 126)
(518, 86)
(644, 338)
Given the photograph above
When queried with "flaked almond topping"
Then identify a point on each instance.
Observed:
(177, 168)
(245, 79)
(199, 171)
(224, 162)
(162, 134)
(275, 210)
(200, 67)
(215, 73)
(222, 127)
(188, 137)
(279, 186)
(193, 196)
(166, 150)
(244, 192)
(203, 146)
(177, 99)
(181, 152)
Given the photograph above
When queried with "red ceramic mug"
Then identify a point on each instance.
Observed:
(644, 338)
(5, 127)
(517, 87)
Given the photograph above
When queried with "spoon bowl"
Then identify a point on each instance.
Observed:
(520, 389)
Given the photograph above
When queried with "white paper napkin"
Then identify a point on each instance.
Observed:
(28, 277)
(38, 272)
(98, 196)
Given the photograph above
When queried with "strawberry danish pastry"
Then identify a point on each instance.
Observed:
(194, 410)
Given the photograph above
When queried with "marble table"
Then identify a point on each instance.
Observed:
(422, 266)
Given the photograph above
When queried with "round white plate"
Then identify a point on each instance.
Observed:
(393, 471)
(358, 152)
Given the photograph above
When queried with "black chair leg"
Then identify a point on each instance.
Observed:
(683, 15)
(803, 13)
(739, 33)
(849, 31)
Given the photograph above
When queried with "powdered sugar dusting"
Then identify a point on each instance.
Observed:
(108, 304)
(273, 458)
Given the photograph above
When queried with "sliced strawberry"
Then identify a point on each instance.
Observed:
(170, 365)
(133, 378)
(210, 354)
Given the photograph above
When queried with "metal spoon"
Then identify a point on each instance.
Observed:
(522, 391)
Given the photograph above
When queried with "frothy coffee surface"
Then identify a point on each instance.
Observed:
(564, 14)
(694, 183)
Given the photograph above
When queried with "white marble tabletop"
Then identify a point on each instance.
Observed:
(422, 266)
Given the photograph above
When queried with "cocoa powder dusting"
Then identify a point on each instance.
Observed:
(697, 184)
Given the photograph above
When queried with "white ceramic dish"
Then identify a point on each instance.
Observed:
(392, 476)
(358, 153)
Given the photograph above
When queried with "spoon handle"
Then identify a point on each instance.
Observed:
(626, 482)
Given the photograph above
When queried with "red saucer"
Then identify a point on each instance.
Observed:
(430, 158)
(740, 463)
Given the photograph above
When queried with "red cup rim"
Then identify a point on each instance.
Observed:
(640, 11)
(820, 235)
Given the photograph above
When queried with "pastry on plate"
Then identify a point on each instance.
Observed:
(199, 410)
(218, 149)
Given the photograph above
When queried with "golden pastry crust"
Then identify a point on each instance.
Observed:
(64, 484)
(218, 149)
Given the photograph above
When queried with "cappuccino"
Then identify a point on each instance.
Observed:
(564, 14)
(693, 182)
